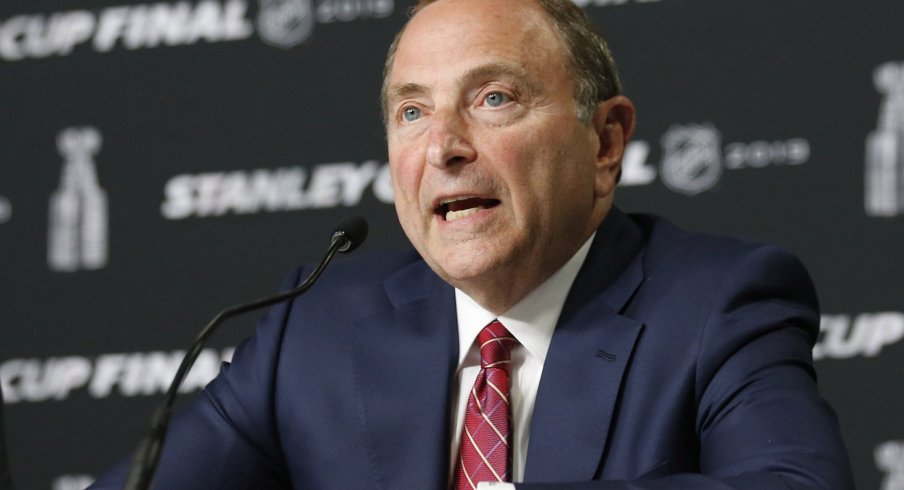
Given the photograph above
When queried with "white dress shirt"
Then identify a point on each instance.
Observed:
(532, 321)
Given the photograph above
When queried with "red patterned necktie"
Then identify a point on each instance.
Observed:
(485, 452)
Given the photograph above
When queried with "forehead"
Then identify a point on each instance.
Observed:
(461, 35)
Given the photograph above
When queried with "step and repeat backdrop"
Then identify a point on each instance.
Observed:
(160, 161)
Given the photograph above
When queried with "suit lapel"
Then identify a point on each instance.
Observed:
(587, 359)
(404, 360)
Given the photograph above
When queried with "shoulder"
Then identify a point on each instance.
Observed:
(696, 279)
(371, 268)
(363, 284)
(712, 258)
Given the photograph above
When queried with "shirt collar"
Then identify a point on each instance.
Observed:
(532, 320)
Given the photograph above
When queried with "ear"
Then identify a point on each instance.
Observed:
(614, 124)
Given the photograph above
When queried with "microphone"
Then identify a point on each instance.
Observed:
(347, 236)
(353, 230)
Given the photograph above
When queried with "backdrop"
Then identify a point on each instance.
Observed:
(161, 161)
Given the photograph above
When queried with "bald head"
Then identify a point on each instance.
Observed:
(586, 55)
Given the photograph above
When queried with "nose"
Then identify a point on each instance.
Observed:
(449, 142)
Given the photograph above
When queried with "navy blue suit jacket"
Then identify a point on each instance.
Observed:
(679, 361)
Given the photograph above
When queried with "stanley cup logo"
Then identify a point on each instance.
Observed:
(890, 459)
(885, 146)
(78, 209)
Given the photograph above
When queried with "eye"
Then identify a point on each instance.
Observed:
(411, 113)
(496, 99)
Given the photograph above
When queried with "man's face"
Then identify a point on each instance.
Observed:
(495, 178)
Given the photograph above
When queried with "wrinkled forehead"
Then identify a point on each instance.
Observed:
(444, 30)
(498, 22)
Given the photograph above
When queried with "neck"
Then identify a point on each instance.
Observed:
(499, 293)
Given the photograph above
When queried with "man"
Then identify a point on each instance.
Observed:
(613, 351)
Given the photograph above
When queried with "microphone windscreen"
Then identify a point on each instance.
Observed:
(354, 230)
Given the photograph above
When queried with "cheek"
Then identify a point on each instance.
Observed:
(406, 175)
(557, 184)
(534, 169)
(404, 200)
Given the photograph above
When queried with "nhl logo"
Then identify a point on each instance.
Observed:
(285, 23)
(692, 158)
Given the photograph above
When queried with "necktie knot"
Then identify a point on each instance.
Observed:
(495, 345)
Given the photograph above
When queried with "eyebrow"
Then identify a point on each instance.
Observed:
(404, 90)
(486, 71)
(501, 70)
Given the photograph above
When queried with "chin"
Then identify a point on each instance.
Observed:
(464, 268)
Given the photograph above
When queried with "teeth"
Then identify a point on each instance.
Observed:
(454, 215)
(458, 199)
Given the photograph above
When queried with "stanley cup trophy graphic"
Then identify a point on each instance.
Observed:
(885, 146)
(78, 209)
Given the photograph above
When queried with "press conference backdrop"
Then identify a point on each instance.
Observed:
(163, 160)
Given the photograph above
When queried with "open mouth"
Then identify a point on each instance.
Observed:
(462, 207)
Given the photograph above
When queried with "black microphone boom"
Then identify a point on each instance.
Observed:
(345, 238)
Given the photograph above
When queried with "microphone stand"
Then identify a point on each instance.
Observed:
(147, 456)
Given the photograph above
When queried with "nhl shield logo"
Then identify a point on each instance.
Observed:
(692, 158)
(285, 23)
